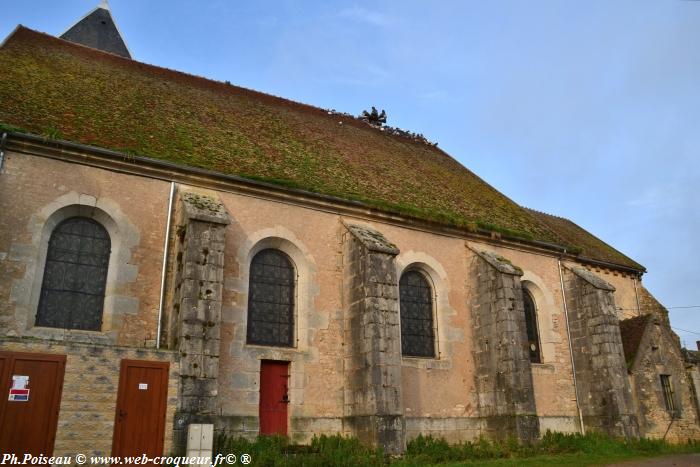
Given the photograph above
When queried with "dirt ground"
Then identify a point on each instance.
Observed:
(680, 460)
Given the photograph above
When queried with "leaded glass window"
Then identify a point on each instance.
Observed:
(417, 330)
(533, 338)
(271, 299)
(75, 274)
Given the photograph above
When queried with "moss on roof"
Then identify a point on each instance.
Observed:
(579, 241)
(62, 90)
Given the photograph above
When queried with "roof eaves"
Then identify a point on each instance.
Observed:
(572, 248)
(64, 147)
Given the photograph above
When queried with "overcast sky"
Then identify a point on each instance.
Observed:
(587, 110)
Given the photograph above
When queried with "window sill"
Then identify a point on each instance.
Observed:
(71, 335)
(543, 368)
(425, 363)
(270, 352)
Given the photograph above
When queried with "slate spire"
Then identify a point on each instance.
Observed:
(98, 30)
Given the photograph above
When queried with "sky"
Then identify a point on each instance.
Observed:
(586, 110)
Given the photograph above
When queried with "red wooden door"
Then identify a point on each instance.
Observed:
(139, 426)
(28, 424)
(274, 397)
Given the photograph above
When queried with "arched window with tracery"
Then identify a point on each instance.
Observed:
(75, 276)
(416, 310)
(533, 337)
(271, 299)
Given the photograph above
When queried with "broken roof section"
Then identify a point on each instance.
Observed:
(90, 97)
(98, 30)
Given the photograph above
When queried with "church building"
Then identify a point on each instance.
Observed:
(184, 256)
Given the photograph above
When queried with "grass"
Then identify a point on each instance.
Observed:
(275, 451)
(552, 449)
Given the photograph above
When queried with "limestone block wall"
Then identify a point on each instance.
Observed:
(628, 293)
(34, 203)
(373, 403)
(503, 374)
(439, 396)
(438, 392)
(604, 391)
(658, 354)
(312, 241)
(693, 375)
(91, 380)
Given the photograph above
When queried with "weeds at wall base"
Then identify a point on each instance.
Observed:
(275, 451)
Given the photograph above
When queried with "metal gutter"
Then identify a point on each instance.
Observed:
(166, 242)
(168, 171)
(606, 264)
(571, 352)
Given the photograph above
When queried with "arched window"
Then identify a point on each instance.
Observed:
(271, 299)
(75, 274)
(417, 331)
(533, 337)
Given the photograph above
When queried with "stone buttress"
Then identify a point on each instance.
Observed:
(604, 392)
(373, 404)
(195, 320)
(503, 373)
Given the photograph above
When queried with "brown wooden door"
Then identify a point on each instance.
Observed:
(29, 426)
(139, 425)
(274, 397)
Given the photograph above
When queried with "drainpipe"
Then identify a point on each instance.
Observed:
(3, 140)
(165, 263)
(571, 353)
(636, 297)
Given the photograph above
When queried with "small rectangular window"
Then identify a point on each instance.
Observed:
(668, 393)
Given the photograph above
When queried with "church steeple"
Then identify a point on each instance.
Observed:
(98, 30)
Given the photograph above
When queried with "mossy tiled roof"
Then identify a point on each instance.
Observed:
(51, 87)
(582, 241)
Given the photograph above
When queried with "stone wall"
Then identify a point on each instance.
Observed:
(693, 375)
(373, 404)
(503, 374)
(33, 204)
(628, 290)
(312, 241)
(89, 399)
(658, 354)
(604, 391)
(440, 396)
